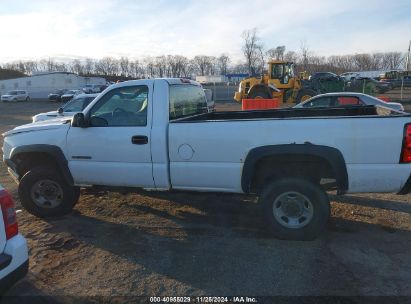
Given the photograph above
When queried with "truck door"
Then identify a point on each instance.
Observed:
(115, 149)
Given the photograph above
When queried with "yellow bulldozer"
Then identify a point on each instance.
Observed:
(282, 83)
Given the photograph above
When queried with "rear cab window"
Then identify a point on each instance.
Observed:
(348, 100)
(186, 100)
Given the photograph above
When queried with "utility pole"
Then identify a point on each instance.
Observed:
(407, 63)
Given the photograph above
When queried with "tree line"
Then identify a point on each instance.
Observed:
(148, 67)
(255, 59)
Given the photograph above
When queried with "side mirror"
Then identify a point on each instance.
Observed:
(60, 110)
(79, 121)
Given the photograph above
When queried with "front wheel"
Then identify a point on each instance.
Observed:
(44, 193)
(295, 208)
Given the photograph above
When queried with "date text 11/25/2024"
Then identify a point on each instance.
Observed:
(203, 300)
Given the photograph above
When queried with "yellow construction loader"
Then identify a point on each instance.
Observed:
(281, 82)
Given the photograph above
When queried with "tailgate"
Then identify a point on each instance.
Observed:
(2, 230)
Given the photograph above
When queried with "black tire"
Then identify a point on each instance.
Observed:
(310, 221)
(48, 180)
(27, 98)
(259, 93)
(303, 95)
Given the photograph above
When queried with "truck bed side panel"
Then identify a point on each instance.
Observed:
(371, 147)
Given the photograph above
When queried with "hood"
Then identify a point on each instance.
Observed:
(395, 105)
(7, 95)
(60, 122)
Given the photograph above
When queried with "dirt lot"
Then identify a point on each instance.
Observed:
(185, 244)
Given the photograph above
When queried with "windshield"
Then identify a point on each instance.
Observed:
(78, 104)
(277, 71)
(12, 93)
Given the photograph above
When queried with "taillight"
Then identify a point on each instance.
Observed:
(406, 145)
(9, 214)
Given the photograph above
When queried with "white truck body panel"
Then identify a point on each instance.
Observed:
(209, 155)
(220, 149)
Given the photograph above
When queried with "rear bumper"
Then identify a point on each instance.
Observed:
(12, 278)
(407, 187)
(17, 267)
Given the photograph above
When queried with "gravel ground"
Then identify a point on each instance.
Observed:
(190, 244)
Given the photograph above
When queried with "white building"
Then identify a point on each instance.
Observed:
(42, 84)
(211, 79)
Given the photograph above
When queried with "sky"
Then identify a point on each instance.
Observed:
(36, 29)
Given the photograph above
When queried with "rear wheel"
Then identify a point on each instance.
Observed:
(44, 193)
(295, 208)
(304, 94)
(27, 98)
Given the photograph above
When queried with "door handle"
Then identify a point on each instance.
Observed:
(139, 140)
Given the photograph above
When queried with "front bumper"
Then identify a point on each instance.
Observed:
(11, 168)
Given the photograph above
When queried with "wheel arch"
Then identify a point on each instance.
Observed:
(330, 158)
(27, 156)
(259, 86)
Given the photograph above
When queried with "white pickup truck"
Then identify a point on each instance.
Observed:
(157, 134)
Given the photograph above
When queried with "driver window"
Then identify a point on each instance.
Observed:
(126, 106)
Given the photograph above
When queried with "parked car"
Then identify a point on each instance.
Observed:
(158, 134)
(342, 99)
(56, 95)
(92, 88)
(77, 104)
(369, 85)
(69, 95)
(323, 75)
(349, 76)
(14, 260)
(16, 95)
(210, 99)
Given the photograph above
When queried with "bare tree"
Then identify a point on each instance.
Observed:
(89, 66)
(363, 62)
(136, 69)
(305, 55)
(107, 66)
(252, 49)
(291, 56)
(276, 53)
(392, 60)
(76, 67)
(124, 66)
(223, 61)
(203, 64)
(160, 64)
(149, 67)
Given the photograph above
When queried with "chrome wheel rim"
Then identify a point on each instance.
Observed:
(293, 210)
(47, 194)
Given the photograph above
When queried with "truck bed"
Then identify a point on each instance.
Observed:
(352, 111)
